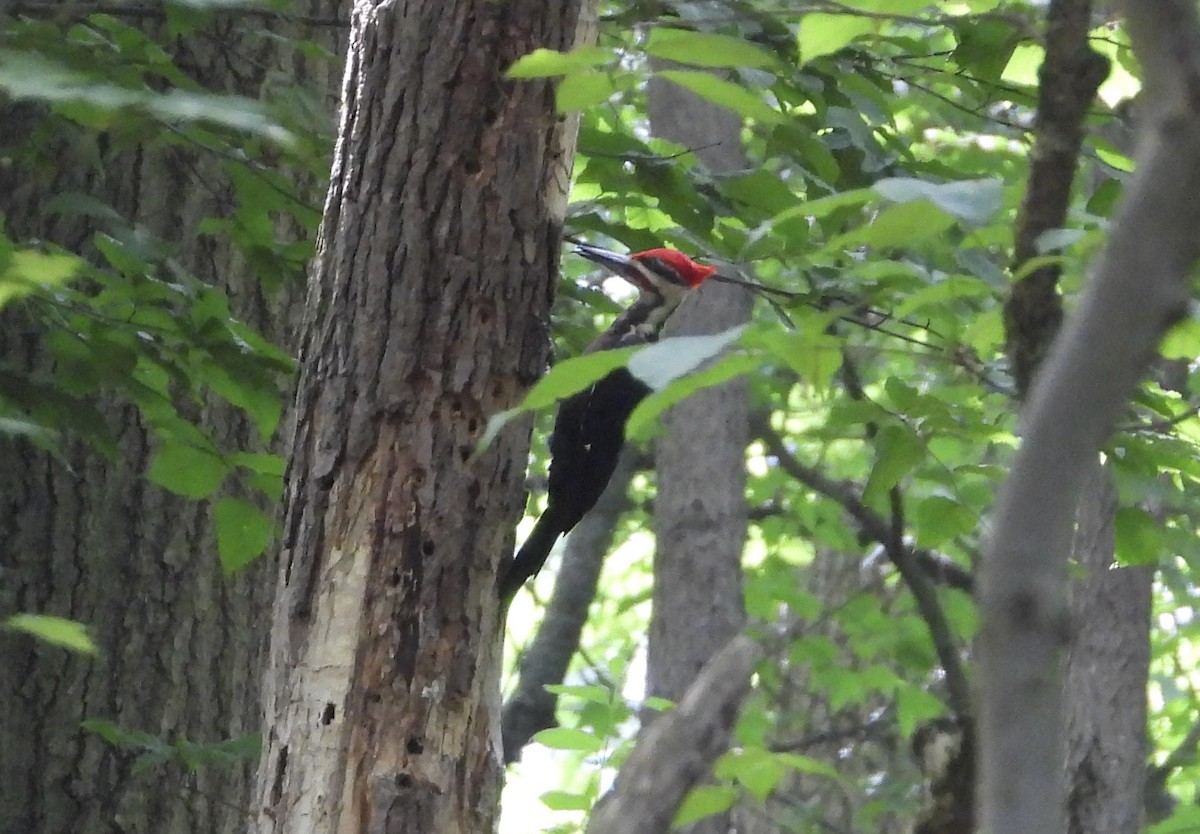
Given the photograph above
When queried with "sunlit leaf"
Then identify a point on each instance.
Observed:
(569, 738)
(57, 631)
(26, 271)
(703, 49)
(821, 34)
(565, 801)
(580, 90)
(545, 63)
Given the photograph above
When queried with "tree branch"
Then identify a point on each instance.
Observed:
(678, 749)
(1067, 84)
(938, 568)
(1137, 289)
(916, 568)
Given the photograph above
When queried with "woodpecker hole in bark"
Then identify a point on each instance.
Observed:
(414, 746)
(328, 714)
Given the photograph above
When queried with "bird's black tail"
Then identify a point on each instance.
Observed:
(531, 556)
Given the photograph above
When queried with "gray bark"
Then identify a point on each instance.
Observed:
(89, 539)
(426, 314)
(1138, 288)
(700, 510)
(1106, 672)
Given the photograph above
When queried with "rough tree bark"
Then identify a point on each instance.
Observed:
(179, 643)
(1138, 287)
(1108, 665)
(426, 314)
(700, 509)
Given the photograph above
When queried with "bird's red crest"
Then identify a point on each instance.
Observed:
(692, 273)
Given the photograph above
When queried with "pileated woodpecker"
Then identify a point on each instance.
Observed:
(589, 429)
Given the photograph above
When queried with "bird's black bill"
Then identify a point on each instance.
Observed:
(618, 263)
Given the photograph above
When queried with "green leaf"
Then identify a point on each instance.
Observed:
(821, 34)
(985, 45)
(243, 533)
(658, 704)
(564, 379)
(915, 706)
(57, 631)
(813, 354)
(569, 738)
(581, 90)
(971, 201)
(806, 764)
(755, 769)
(592, 693)
(565, 801)
(940, 519)
(725, 93)
(897, 451)
(1182, 341)
(704, 801)
(1139, 537)
(702, 49)
(187, 470)
(26, 271)
(663, 362)
(899, 226)
(949, 288)
(545, 63)
(648, 410)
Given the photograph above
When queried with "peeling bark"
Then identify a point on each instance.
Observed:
(426, 314)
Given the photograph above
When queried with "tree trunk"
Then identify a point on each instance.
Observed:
(700, 511)
(89, 539)
(1107, 668)
(426, 314)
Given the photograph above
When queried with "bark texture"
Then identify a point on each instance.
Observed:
(180, 645)
(426, 314)
(1108, 666)
(700, 510)
(1138, 288)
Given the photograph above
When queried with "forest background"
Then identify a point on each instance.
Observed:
(224, 608)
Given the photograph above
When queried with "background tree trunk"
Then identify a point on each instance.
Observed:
(1108, 665)
(426, 314)
(180, 644)
(700, 511)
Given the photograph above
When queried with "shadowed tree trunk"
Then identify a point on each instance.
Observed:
(426, 314)
(180, 644)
